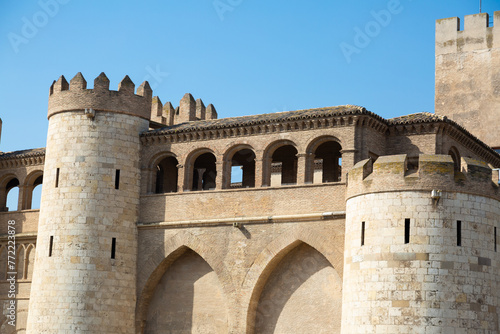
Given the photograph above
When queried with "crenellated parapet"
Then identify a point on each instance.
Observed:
(188, 110)
(75, 96)
(476, 35)
(432, 172)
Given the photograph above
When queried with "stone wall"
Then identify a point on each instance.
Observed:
(468, 75)
(409, 266)
(252, 273)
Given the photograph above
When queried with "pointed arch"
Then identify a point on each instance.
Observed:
(267, 261)
(20, 263)
(150, 272)
(30, 261)
(455, 155)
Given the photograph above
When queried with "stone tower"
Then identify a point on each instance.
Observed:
(420, 253)
(85, 275)
(468, 74)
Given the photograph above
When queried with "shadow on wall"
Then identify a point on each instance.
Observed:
(187, 299)
(304, 283)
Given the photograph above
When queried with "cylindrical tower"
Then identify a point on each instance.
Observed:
(420, 248)
(85, 273)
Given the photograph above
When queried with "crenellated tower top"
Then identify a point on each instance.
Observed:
(476, 35)
(75, 96)
(432, 172)
(467, 78)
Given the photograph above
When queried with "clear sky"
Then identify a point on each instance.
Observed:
(244, 56)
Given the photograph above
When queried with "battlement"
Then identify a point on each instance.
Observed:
(188, 110)
(476, 35)
(430, 172)
(75, 96)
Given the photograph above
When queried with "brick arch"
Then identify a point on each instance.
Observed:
(457, 159)
(271, 256)
(273, 146)
(152, 270)
(189, 164)
(229, 153)
(152, 165)
(20, 261)
(29, 265)
(231, 149)
(8, 177)
(29, 185)
(316, 142)
(267, 157)
(311, 150)
(4, 180)
(158, 157)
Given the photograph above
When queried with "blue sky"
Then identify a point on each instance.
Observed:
(244, 56)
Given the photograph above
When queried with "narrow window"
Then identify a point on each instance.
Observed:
(459, 233)
(495, 237)
(51, 242)
(362, 233)
(407, 230)
(57, 177)
(117, 179)
(113, 248)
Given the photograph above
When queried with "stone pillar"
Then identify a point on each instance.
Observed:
(301, 168)
(22, 201)
(3, 199)
(225, 170)
(276, 174)
(201, 173)
(219, 173)
(348, 160)
(266, 171)
(259, 168)
(317, 171)
(181, 177)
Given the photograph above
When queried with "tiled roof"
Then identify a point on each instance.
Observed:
(421, 117)
(35, 152)
(427, 117)
(263, 119)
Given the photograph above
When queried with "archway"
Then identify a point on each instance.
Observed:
(328, 162)
(284, 166)
(243, 169)
(11, 191)
(204, 172)
(187, 299)
(33, 190)
(166, 175)
(303, 282)
(455, 155)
